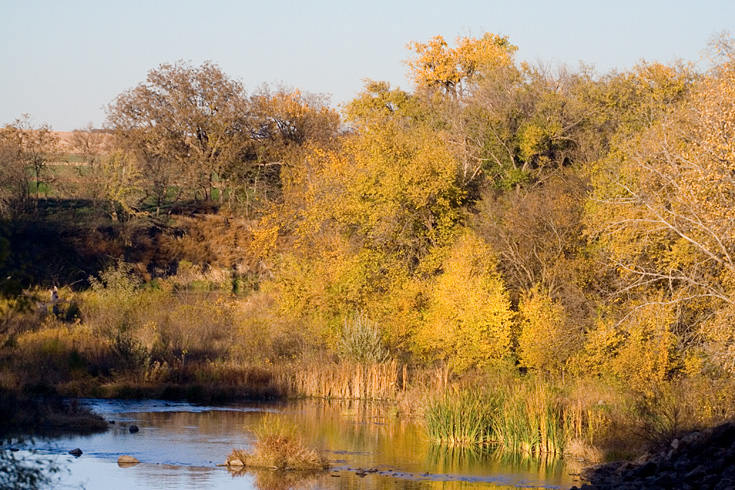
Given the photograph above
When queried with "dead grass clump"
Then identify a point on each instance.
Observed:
(279, 447)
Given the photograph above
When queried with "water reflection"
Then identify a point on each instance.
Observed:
(263, 479)
(180, 445)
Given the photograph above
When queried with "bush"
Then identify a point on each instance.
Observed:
(279, 447)
(361, 341)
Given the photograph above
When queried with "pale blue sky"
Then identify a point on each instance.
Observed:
(62, 61)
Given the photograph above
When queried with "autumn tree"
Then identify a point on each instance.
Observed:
(13, 176)
(27, 150)
(184, 125)
(450, 70)
(364, 217)
(468, 320)
(663, 207)
(93, 147)
(283, 123)
(537, 233)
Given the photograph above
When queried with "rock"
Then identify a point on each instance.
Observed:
(696, 473)
(648, 469)
(133, 429)
(699, 460)
(126, 461)
(76, 452)
(235, 462)
(664, 481)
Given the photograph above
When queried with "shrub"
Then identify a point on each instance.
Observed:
(361, 341)
(280, 447)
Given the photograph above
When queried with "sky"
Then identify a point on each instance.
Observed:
(63, 61)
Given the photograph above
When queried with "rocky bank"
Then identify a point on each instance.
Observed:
(700, 460)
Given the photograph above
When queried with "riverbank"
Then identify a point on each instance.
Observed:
(30, 415)
(701, 460)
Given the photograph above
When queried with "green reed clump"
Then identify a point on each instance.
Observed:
(524, 417)
(461, 418)
(531, 419)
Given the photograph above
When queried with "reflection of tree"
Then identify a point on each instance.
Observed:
(278, 480)
(26, 473)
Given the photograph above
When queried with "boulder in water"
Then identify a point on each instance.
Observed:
(126, 461)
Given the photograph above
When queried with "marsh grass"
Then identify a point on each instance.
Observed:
(520, 415)
(530, 419)
(461, 418)
(346, 380)
(279, 446)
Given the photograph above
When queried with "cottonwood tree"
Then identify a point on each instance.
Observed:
(362, 218)
(663, 210)
(451, 70)
(283, 124)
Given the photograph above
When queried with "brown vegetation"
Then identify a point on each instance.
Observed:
(278, 447)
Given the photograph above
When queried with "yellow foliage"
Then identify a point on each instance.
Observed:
(469, 320)
(438, 65)
(639, 350)
(362, 219)
(543, 342)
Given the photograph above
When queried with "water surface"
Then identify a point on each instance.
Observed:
(180, 446)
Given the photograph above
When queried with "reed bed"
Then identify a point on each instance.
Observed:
(524, 416)
(461, 418)
(531, 419)
(376, 381)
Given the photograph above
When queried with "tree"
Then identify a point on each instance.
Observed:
(468, 320)
(184, 125)
(93, 147)
(13, 176)
(284, 124)
(27, 149)
(362, 218)
(663, 210)
(437, 66)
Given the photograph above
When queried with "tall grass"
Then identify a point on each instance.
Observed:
(531, 419)
(461, 418)
(520, 415)
(279, 446)
(346, 380)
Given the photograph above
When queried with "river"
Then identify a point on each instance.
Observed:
(180, 446)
